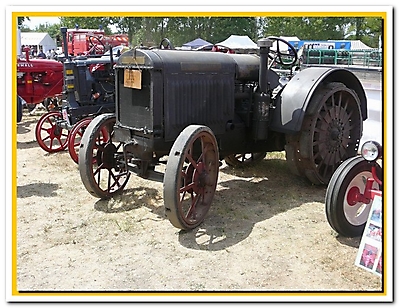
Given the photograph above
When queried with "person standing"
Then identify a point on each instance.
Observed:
(41, 54)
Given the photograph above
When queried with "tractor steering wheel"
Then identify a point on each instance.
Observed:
(95, 45)
(287, 58)
(166, 44)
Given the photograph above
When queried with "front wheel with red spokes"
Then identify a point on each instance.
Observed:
(101, 164)
(50, 136)
(191, 177)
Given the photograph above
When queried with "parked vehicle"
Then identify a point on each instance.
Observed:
(89, 89)
(197, 108)
(39, 81)
(20, 105)
(91, 41)
(352, 189)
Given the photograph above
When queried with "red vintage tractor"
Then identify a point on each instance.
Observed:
(39, 80)
(92, 41)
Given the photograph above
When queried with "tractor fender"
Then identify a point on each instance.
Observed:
(291, 106)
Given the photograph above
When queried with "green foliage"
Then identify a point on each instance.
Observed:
(87, 23)
(21, 20)
(306, 28)
(150, 31)
(366, 29)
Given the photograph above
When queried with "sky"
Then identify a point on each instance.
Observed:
(36, 21)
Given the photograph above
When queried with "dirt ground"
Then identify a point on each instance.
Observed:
(265, 232)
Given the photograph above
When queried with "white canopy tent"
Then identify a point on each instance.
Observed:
(238, 42)
(39, 39)
(198, 42)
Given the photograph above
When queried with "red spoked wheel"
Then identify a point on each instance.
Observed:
(191, 177)
(102, 166)
(75, 137)
(50, 136)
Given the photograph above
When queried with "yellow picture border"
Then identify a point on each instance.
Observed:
(16, 12)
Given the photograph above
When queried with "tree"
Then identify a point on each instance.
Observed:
(87, 23)
(21, 20)
(52, 30)
(367, 29)
(305, 28)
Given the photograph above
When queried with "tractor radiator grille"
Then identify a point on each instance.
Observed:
(205, 99)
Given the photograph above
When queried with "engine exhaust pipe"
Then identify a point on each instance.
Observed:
(262, 96)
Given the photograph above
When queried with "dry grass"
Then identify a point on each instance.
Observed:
(266, 231)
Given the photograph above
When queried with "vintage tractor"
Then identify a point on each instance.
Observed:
(39, 81)
(89, 88)
(92, 42)
(196, 108)
(351, 190)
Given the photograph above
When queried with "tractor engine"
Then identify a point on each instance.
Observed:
(160, 92)
(38, 79)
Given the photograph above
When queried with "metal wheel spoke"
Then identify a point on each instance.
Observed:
(319, 142)
(49, 120)
(317, 155)
(118, 147)
(97, 172)
(47, 130)
(191, 160)
(192, 210)
(339, 100)
(182, 197)
(116, 178)
(59, 139)
(46, 138)
(187, 187)
(111, 175)
(335, 112)
(188, 155)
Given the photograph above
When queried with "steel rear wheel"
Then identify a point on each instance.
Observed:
(101, 165)
(191, 177)
(344, 214)
(330, 133)
(50, 136)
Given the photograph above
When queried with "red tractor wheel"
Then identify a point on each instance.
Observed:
(191, 177)
(75, 136)
(50, 136)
